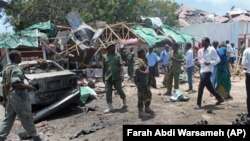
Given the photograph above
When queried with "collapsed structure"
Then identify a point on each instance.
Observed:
(80, 46)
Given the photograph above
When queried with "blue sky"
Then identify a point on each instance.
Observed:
(5, 28)
(219, 7)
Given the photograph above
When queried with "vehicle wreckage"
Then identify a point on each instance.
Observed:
(56, 87)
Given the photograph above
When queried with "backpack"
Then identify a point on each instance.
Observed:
(6, 81)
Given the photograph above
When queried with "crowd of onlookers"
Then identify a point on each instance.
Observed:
(216, 62)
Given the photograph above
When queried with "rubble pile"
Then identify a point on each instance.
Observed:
(241, 120)
(202, 122)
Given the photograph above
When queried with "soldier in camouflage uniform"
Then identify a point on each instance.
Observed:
(113, 76)
(130, 63)
(15, 94)
(176, 59)
(141, 72)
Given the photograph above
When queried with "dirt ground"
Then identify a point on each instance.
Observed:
(64, 124)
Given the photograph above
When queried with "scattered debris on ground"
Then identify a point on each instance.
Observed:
(242, 119)
(202, 122)
(88, 108)
(93, 128)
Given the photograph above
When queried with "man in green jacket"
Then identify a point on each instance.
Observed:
(18, 104)
(176, 60)
(141, 72)
(113, 76)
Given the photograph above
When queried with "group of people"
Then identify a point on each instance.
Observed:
(113, 76)
(215, 68)
(214, 60)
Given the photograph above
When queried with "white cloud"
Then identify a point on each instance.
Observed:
(221, 4)
(213, 2)
(219, 7)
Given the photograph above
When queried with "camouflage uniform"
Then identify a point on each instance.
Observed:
(174, 71)
(112, 75)
(130, 64)
(143, 88)
(18, 104)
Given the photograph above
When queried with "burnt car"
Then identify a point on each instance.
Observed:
(56, 87)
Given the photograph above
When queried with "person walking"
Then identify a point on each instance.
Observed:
(189, 66)
(246, 63)
(16, 100)
(209, 59)
(242, 48)
(233, 56)
(113, 76)
(223, 81)
(141, 72)
(215, 67)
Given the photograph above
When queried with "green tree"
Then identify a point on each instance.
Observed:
(23, 13)
(165, 9)
(4, 35)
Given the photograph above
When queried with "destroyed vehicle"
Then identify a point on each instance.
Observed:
(56, 87)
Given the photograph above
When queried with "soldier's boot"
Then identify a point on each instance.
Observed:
(124, 103)
(142, 114)
(149, 110)
(110, 108)
(37, 138)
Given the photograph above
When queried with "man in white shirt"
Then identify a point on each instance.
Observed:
(199, 55)
(208, 60)
(214, 72)
(246, 63)
(189, 66)
(230, 54)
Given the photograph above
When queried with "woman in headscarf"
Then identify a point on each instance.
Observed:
(223, 73)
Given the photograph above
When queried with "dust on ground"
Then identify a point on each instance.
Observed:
(66, 123)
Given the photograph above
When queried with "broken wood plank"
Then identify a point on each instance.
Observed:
(123, 32)
(72, 47)
(134, 34)
(102, 42)
(113, 25)
(44, 44)
(114, 32)
(127, 36)
(106, 30)
(64, 27)
(109, 38)
(77, 50)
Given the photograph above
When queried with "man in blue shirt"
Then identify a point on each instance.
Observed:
(152, 59)
(165, 64)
